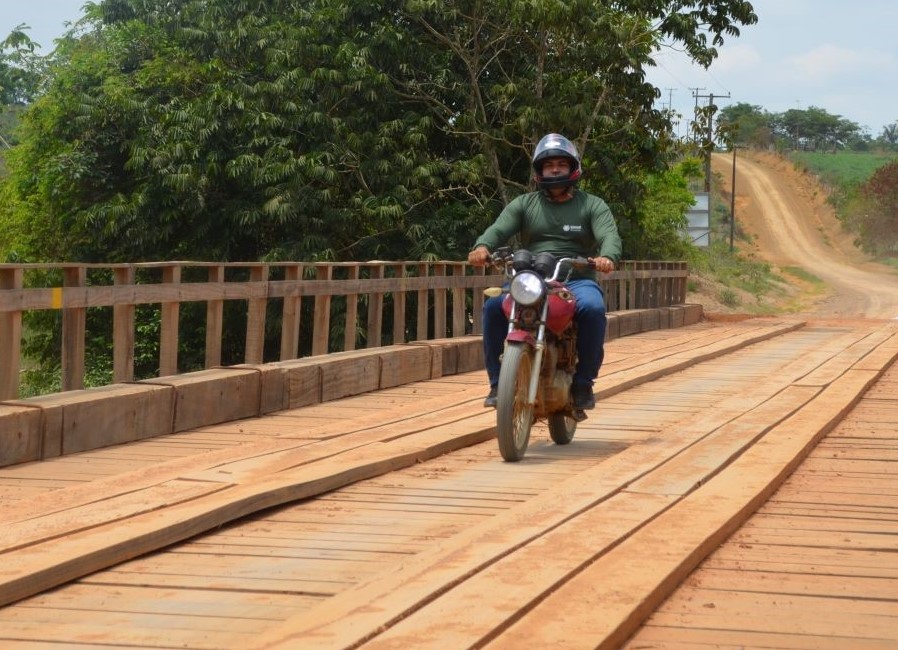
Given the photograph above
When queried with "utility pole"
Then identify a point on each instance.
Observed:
(710, 147)
(670, 98)
(733, 202)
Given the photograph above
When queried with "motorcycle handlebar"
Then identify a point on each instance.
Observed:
(502, 257)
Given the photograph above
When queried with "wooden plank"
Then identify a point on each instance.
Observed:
(148, 476)
(40, 566)
(690, 469)
(834, 368)
(848, 563)
(314, 550)
(478, 626)
(662, 638)
(730, 603)
(272, 494)
(773, 582)
(845, 538)
(346, 619)
(764, 522)
(253, 570)
(665, 549)
(147, 637)
(39, 529)
(272, 606)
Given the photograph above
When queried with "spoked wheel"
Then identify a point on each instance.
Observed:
(562, 427)
(514, 416)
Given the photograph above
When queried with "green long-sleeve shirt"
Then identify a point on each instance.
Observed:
(581, 226)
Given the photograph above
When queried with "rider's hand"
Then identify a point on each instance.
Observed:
(603, 264)
(480, 256)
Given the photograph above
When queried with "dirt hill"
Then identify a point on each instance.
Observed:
(794, 229)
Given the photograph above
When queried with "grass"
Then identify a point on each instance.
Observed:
(802, 274)
(844, 168)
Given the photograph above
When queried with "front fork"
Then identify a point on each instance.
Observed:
(539, 347)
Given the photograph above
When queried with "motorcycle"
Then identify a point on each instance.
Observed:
(540, 353)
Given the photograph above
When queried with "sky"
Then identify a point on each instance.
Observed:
(836, 55)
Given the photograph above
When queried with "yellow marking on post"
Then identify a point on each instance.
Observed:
(56, 298)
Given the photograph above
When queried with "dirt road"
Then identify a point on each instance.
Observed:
(793, 226)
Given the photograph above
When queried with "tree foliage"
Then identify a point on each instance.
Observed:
(335, 129)
(811, 129)
(338, 129)
(879, 225)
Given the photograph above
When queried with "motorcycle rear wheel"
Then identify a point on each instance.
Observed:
(562, 428)
(514, 416)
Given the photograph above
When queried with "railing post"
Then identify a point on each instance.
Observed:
(10, 338)
(458, 302)
(214, 320)
(291, 316)
(322, 317)
(375, 310)
(399, 307)
(682, 284)
(168, 338)
(423, 305)
(626, 289)
(439, 304)
(350, 323)
(74, 326)
(477, 300)
(255, 318)
(123, 330)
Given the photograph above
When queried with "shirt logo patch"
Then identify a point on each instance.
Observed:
(569, 228)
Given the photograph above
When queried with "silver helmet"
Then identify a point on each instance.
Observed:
(554, 145)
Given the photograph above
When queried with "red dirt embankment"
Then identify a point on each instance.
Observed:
(792, 226)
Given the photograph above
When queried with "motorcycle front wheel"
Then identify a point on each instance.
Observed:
(514, 416)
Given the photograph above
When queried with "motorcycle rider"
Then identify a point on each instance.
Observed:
(567, 222)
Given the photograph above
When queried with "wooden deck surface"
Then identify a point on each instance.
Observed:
(389, 520)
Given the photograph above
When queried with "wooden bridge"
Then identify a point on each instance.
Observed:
(734, 488)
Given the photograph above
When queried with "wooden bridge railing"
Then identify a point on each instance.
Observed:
(447, 298)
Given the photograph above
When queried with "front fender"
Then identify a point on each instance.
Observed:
(521, 336)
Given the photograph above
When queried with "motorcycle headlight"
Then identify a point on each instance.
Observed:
(527, 288)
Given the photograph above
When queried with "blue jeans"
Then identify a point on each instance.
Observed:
(591, 323)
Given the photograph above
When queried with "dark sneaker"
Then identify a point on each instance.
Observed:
(582, 396)
(492, 398)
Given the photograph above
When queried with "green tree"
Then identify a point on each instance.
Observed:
(337, 129)
(753, 125)
(879, 223)
(814, 129)
(19, 83)
(340, 129)
(889, 134)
